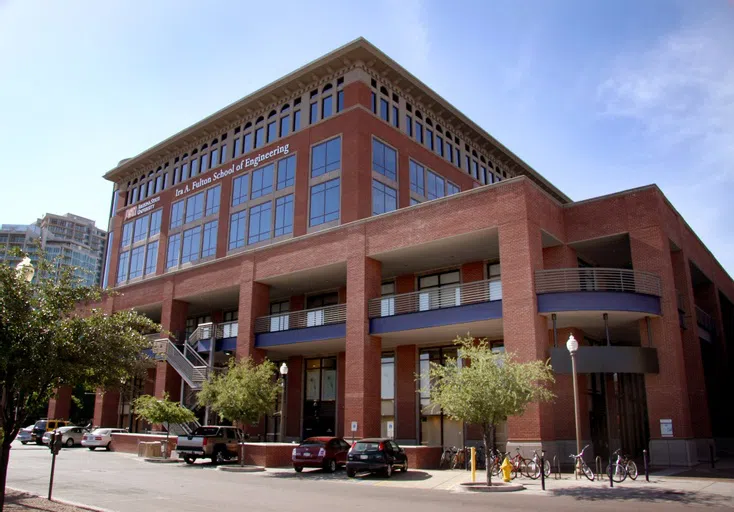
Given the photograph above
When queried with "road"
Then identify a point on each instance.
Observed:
(122, 482)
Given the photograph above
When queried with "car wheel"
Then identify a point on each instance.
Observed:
(404, 469)
(388, 471)
(189, 460)
(351, 473)
(91, 448)
(69, 443)
(331, 466)
(218, 457)
(298, 468)
(107, 446)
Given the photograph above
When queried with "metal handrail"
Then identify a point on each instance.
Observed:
(304, 318)
(705, 320)
(193, 374)
(597, 279)
(227, 330)
(447, 296)
(202, 332)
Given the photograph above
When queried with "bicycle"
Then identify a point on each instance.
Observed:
(533, 470)
(447, 457)
(617, 471)
(629, 465)
(579, 460)
(457, 461)
(519, 464)
(495, 461)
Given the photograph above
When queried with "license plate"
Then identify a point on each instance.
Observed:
(306, 454)
(363, 457)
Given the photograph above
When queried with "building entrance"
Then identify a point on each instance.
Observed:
(319, 405)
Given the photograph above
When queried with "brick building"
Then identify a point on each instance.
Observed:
(348, 221)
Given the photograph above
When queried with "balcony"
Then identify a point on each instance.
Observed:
(225, 336)
(444, 306)
(706, 324)
(597, 289)
(315, 324)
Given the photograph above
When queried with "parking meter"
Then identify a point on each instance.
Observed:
(56, 443)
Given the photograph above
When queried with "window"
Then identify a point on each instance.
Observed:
(136, 262)
(449, 152)
(237, 147)
(419, 132)
(395, 117)
(373, 103)
(474, 171)
(151, 258)
(340, 101)
(141, 228)
(286, 172)
(194, 167)
(326, 106)
(326, 157)
(409, 125)
(313, 116)
(458, 158)
(387, 395)
(194, 207)
(262, 181)
(122, 266)
(325, 202)
(177, 211)
(285, 124)
(191, 244)
(127, 233)
(158, 184)
(279, 322)
(272, 131)
(417, 177)
(135, 196)
(247, 143)
(495, 281)
(384, 110)
(296, 120)
(384, 198)
(259, 134)
(212, 200)
(184, 171)
(173, 257)
(439, 145)
(222, 154)
(259, 223)
(237, 230)
(429, 138)
(209, 244)
(436, 186)
(204, 162)
(452, 189)
(414, 201)
(239, 189)
(284, 215)
(384, 159)
(483, 175)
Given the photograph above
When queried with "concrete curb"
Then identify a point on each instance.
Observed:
(64, 502)
(241, 469)
(158, 460)
(482, 487)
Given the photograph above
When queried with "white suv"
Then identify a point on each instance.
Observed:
(101, 438)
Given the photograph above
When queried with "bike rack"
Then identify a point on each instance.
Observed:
(556, 466)
(599, 464)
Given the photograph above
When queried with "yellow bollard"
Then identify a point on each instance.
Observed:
(473, 464)
(506, 468)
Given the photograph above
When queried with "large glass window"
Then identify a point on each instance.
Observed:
(395, 117)
(286, 172)
(384, 159)
(340, 101)
(212, 200)
(419, 132)
(122, 266)
(215, 156)
(209, 244)
(429, 138)
(296, 120)
(155, 222)
(237, 227)
(141, 228)
(387, 394)
(259, 137)
(239, 189)
(173, 256)
(409, 125)
(452, 189)
(177, 212)
(314, 113)
(417, 178)
(324, 202)
(259, 229)
(127, 233)
(285, 124)
(204, 162)
(326, 157)
(191, 244)
(136, 262)
(247, 143)
(326, 106)
(384, 198)
(194, 207)
(284, 215)
(436, 186)
(184, 171)
(194, 167)
(262, 181)
(436, 427)
(384, 110)
(439, 145)
(495, 281)
(272, 131)
(237, 147)
(151, 258)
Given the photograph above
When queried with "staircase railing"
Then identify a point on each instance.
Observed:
(202, 332)
(194, 374)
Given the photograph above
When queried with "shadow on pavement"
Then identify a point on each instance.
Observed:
(320, 474)
(648, 495)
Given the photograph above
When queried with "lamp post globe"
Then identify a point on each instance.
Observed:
(284, 369)
(572, 345)
(283, 374)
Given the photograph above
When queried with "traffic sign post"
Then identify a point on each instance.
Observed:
(55, 446)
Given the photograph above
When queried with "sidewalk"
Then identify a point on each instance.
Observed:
(17, 501)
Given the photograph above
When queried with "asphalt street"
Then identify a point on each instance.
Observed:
(123, 482)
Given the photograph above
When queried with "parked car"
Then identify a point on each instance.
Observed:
(100, 438)
(42, 426)
(24, 436)
(70, 435)
(376, 455)
(210, 442)
(320, 452)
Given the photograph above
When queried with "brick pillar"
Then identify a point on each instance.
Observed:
(471, 272)
(405, 283)
(59, 406)
(254, 303)
(560, 256)
(406, 422)
(106, 409)
(362, 386)
(341, 360)
(173, 319)
(525, 331)
(298, 302)
(294, 398)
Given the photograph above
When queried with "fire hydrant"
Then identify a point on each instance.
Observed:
(506, 468)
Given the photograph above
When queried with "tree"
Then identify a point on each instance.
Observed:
(52, 336)
(162, 410)
(244, 393)
(487, 387)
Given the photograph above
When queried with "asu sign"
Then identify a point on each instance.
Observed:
(141, 208)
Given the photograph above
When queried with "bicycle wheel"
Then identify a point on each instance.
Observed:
(586, 470)
(495, 466)
(617, 472)
(547, 468)
(445, 459)
(632, 469)
(532, 469)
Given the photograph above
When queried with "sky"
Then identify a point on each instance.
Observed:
(598, 97)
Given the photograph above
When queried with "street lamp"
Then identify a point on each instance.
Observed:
(25, 269)
(283, 375)
(572, 345)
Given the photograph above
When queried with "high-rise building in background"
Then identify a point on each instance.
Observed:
(69, 240)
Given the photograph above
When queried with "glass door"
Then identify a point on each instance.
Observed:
(319, 406)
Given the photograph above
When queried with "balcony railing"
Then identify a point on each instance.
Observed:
(227, 330)
(299, 319)
(436, 298)
(705, 320)
(596, 280)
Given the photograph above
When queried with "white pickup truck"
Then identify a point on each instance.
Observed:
(210, 442)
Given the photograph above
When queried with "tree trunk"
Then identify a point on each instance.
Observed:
(168, 433)
(4, 459)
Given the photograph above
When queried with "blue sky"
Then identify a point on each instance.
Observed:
(597, 96)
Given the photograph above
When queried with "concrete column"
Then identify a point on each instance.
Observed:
(406, 394)
(106, 409)
(362, 385)
(59, 407)
(254, 303)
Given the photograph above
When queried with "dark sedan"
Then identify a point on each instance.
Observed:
(320, 452)
(376, 455)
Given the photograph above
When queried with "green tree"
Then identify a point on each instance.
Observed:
(487, 387)
(162, 411)
(244, 393)
(52, 336)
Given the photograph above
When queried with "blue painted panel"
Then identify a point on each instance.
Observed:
(437, 317)
(598, 301)
(323, 332)
(222, 344)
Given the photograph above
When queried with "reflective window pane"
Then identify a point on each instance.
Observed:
(324, 202)
(286, 172)
(262, 181)
(237, 225)
(259, 228)
(240, 189)
(284, 215)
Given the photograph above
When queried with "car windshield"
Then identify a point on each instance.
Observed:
(40, 424)
(63, 429)
(101, 431)
(313, 442)
(366, 447)
(206, 431)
